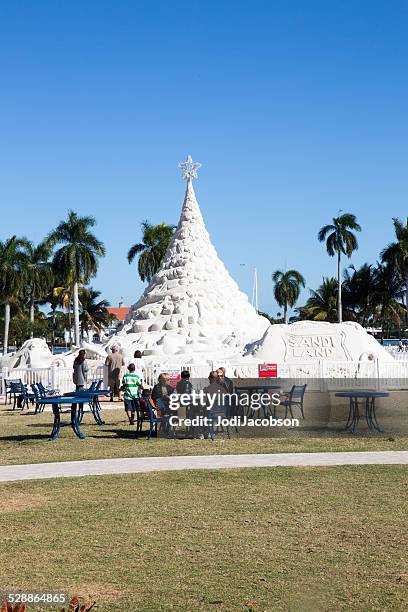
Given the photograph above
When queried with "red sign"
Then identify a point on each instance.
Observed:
(268, 370)
(173, 376)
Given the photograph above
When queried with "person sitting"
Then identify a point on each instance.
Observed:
(147, 394)
(161, 393)
(144, 408)
(131, 385)
(184, 385)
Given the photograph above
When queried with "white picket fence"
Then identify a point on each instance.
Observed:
(397, 354)
(321, 375)
(55, 377)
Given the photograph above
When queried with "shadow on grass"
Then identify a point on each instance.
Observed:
(48, 425)
(8, 411)
(126, 434)
(130, 434)
(23, 438)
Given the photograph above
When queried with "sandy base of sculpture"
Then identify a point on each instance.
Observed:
(305, 342)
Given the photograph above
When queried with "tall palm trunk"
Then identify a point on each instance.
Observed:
(406, 296)
(382, 325)
(70, 325)
(32, 316)
(6, 327)
(76, 316)
(53, 329)
(339, 304)
(285, 313)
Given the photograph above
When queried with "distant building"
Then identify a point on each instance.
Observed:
(120, 313)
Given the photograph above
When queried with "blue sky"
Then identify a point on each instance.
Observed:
(295, 109)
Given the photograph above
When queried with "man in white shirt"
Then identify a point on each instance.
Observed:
(138, 362)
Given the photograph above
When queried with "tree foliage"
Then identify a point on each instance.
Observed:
(152, 250)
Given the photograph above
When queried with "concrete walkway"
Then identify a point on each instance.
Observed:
(100, 467)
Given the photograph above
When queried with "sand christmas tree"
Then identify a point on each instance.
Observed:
(192, 309)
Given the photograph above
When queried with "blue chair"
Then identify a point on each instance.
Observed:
(41, 390)
(154, 419)
(11, 389)
(8, 386)
(295, 399)
(17, 391)
(26, 397)
(46, 392)
(38, 396)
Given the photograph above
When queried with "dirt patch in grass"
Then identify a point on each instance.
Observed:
(98, 591)
(17, 502)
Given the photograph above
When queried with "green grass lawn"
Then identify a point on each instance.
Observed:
(24, 439)
(288, 539)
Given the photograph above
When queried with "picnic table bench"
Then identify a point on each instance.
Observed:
(76, 399)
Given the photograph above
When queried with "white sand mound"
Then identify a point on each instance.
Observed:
(308, 341)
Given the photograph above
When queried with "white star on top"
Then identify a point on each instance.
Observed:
(189, 168)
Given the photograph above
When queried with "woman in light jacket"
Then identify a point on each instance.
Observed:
(80, 370)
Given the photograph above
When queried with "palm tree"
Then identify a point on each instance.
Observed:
(287, 289)
(388, 292)
(340, 239)
(56, 298)
(54, 301)
(152, 250)
(358, 292)
(57, 324)
(38, 273)
(396, 253)
(77, 259)
(12, 261)
(94, 314)
(322, 303)
(62, 296)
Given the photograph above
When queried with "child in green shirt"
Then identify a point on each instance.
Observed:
(131, 385)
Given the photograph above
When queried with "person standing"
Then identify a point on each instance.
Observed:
(131, 385)
(114, 361)
(185, 388)
(138, 362)
(224, 381)
(227, 384)
(214, 396)
(80, 370)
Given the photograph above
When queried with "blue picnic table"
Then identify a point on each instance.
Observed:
(368, 398)
(76, 399)
(92, 397)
